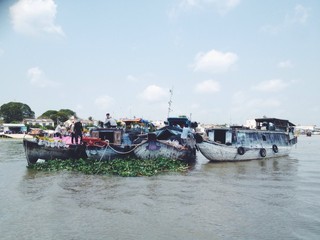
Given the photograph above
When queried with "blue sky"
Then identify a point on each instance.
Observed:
(226, 61)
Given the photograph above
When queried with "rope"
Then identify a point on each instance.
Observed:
(135, 146)
(103, 153)
(105, 149)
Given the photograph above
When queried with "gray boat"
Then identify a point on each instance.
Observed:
(271, 138)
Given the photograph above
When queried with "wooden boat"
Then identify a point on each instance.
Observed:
(36, 149)
(108, 143)
(153, 148)
(271, 138)
(102, 144)
(167, 143)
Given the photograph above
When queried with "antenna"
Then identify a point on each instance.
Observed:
(170, 101)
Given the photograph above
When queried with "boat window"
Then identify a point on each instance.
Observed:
(211, 135)
(228, 137)
(253, 137)
(280, 139)
(241, 137)
(271, 138)
(264, 137)
(220, 135)
(283, 139)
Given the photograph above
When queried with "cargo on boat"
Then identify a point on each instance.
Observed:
(175, 141)
(135, 140)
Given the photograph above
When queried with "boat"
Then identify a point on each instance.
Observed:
(101, 144)
(166, 142)
(104, 144)
(271, 138)
(49, 149)
(108, 143)
(308, 133)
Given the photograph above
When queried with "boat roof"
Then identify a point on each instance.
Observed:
(275, 121)
(134, 120)
(13, 125)
(172, 121)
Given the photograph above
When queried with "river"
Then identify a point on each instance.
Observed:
(259, 199)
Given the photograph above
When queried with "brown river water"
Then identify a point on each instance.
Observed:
(259, 199)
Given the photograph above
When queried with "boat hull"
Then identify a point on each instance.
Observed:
(108, 152)
(160, 149)
(34, 151)
(220, 153)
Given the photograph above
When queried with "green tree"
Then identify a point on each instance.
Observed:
(58, 116)
(67, 112)
(15, 112)
(50, 114)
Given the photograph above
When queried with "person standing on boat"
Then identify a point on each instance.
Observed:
(72, 132)
(58, 131)
(78, 128)
(185, 133)
(110, 122)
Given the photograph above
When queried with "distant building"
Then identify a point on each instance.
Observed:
(13, 128)
(84, 122)
(304, 129)
(44, 122)
(89, 122)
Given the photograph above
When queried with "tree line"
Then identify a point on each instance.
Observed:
(15, 112)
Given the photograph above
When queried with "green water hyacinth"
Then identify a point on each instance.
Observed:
(120, 167)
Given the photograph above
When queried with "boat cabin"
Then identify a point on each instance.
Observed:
(274, 124)
(112, 135)
(222, 135)
(137, 125)
(246, 137)
(177, 121)
(180, 122)
(268, 131)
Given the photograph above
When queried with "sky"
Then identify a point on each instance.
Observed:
(216, 61)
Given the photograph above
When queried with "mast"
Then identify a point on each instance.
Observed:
(170, 102)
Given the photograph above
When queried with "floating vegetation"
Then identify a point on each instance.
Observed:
(121, 167)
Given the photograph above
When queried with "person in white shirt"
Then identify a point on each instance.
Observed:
(185, 132)
(58, 131)
(110, 122)
(72, 132)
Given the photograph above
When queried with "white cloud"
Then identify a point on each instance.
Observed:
(214, 61)
(38, 78)
(271, 29)
(104, 102)
(154, 93)
(33, 17)
(285, 64)
(299, 15)
(221, 6)
(209, 86)
(273, 85)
